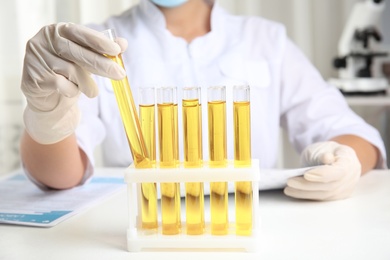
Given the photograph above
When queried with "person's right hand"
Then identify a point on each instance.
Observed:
(57, 67)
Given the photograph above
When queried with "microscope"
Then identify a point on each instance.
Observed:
(358, 49)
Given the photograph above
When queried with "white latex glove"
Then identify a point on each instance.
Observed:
(57, 67)
(335, 179)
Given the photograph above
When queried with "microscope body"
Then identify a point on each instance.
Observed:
(358, 50)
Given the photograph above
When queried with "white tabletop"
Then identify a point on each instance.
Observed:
(355, 228)
(369, 100)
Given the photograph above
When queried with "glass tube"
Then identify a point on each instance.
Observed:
(193, 158)
(148, 126)
(128, 112)
(169, 158)
(218, 158)
(242, 158)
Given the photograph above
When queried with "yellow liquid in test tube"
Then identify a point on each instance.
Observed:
(192, 127)
(218, 158)
(130, 119)
(149, 190)
(170, 192)
(176, 134)
(135, 137)
(147, 120)
(242, 158)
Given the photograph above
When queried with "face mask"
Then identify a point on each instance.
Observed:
(169, 3)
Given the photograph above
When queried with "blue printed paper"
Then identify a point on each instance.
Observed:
(22, 203)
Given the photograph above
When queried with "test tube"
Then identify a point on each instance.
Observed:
(128, 112)
(193, 158)
(242, 158)
(169, 158)
(148, 126)
(218, 158)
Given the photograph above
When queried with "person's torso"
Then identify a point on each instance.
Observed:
(237, 51)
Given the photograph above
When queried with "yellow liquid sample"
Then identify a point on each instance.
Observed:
(149, 205)
(170, 192)
(149, 190)
(170, 208)
(242, 158)
(176, 134)
(130, 119)
(218, 158)
(217, 133)
(148, 127)
(192, 126)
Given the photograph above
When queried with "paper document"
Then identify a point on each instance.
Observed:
(277, 179)
(22, 203)
(270, 179)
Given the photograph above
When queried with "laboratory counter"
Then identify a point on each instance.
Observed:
(354, 228)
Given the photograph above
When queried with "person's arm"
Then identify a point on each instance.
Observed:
(367, 153)
(57, 68)
(59, 166)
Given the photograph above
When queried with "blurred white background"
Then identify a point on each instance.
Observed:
(314, 25)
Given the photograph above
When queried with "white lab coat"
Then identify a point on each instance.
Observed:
(286, 90)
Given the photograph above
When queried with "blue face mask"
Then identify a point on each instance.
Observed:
(169, 3)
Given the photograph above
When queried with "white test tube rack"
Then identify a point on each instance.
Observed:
(139, 239)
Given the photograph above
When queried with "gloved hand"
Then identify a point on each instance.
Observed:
(335, 178)
(57, 67)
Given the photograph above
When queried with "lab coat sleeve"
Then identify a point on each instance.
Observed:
(313, 111)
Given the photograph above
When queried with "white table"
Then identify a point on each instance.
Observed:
(375, 101)
(355, 228)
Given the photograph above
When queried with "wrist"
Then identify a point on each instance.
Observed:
(52, 126)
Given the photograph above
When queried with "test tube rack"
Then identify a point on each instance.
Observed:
(139, 239)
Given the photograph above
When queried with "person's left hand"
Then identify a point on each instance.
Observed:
(334, 179)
